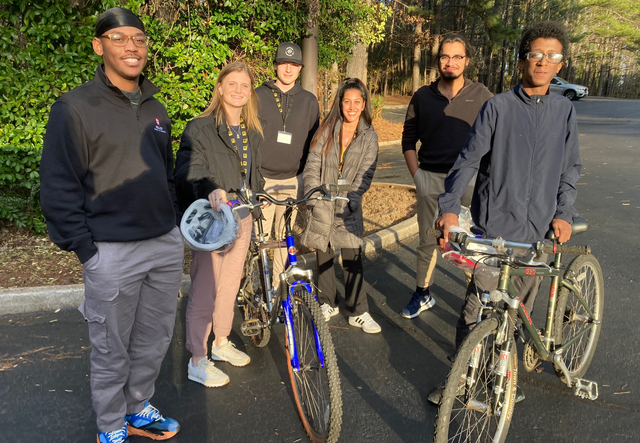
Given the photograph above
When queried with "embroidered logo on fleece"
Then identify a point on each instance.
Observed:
(159, 127)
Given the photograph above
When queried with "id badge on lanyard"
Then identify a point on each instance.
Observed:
(284, 137)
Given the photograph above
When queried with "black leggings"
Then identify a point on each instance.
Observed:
(355, 299)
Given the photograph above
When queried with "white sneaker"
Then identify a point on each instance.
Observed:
(328, 311)
(228, 352)
(207, 374)
(365, 322)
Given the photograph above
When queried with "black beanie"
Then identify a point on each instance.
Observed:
(115, 18)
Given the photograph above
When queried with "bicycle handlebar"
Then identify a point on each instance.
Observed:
(266, 198)
(546, 247)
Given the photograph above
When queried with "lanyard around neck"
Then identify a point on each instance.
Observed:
(344, 148)
(284, 113)
(245, 145)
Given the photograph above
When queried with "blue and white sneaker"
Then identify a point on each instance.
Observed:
(149, 423)
(119, 436)
(417, 304)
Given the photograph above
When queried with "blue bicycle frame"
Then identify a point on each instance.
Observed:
(287, 308)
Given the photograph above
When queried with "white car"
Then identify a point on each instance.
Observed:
(563, 87)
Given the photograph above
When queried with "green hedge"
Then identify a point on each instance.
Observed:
(45, 51)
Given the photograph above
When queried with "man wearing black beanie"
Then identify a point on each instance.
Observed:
(107, 194)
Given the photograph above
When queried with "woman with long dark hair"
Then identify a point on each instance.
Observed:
(219, 151)
(343, 151)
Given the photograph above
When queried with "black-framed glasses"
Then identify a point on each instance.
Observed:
(122, 40)
(537, 56)
(454, 58)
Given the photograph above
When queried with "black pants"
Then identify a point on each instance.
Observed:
(355, 298)
(527, 287)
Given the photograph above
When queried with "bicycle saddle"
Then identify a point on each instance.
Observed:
(578, 226)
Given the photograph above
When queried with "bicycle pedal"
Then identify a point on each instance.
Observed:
(586, 389)
(251, 328)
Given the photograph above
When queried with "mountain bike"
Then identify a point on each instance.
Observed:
(312, 363)
(480, 390)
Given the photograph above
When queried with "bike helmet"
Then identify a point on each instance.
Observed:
(205, 229)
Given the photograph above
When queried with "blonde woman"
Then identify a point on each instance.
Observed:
(219, 151)
(344, 150)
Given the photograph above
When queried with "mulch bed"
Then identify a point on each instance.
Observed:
(28, 260)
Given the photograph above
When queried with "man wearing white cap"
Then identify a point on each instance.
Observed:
(107, 194)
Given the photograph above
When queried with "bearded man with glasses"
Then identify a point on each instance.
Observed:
(107, 193)
(524, 149)
(440, 115)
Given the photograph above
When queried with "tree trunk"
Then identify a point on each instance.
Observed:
(435, 39)
(417, 53)
(433, 62)
(309, 78)
(357, 64)
(603, 72)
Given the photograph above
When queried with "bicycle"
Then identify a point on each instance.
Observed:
(312, 363)
(480, 390)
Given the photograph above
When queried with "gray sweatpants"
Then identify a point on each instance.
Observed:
(131, 295)
(429, 186)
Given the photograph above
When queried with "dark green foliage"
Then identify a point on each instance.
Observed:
(45, 51)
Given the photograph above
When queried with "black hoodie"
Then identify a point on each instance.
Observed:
(281, 161)
(106, 172)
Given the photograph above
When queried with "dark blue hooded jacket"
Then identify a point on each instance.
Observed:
(526, 154)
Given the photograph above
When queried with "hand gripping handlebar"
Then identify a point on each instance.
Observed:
(545, 247)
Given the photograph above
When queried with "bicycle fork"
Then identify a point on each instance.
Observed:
(287, 309)
(499, 367)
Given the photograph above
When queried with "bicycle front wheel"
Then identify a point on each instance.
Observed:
(475, 406)
(316, 389)
(572, 318)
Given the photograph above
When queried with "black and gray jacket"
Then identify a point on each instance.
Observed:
(281, 161)
(207, 161)
(106, 172)
(525, 151)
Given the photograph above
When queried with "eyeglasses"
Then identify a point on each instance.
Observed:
(537, 56)
(122, 40)
(455, 58)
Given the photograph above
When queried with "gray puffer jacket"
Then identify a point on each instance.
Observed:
(340, 223)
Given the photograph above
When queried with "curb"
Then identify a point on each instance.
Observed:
(392, 142)
(49, 298)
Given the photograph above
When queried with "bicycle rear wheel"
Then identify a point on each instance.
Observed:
(253, 292)
(469, 411)
(571, 318)
(316, 389)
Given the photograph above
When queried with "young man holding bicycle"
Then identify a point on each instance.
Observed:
(524, 149)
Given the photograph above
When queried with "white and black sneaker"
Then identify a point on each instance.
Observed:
(328, 311)
(366, 322)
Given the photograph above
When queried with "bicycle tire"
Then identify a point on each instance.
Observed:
(571, 317)
(253, 290)
(316, 390)
(460, 416)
